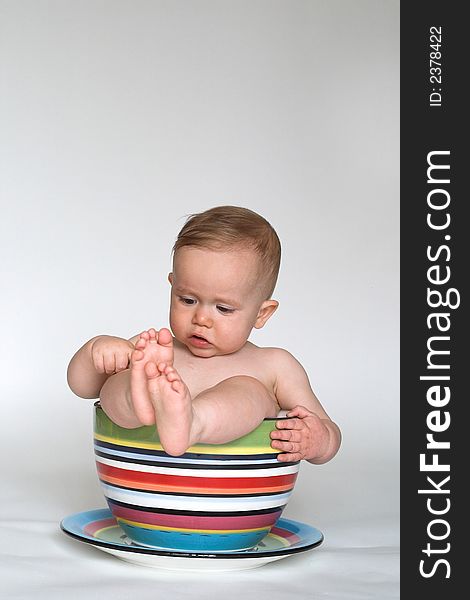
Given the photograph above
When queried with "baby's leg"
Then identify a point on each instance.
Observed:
(156, 347)
(172, 406)
(233, 408)
(225, 412)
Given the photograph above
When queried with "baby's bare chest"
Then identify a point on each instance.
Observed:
(201, 374)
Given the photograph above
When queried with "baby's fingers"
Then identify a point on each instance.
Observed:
(290, 451)
(109, 364)
(284, 446)
(98, 363)
(299, 411)
(289, 457)
(122, 361)
(286, 435)
(289, 424)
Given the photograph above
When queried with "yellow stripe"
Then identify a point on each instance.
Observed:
(98, 532)
(200, 449)
(280, 539)
(180, 529)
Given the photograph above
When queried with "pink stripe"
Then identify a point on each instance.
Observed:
(95, 526)
(286, 534)
(188, 522)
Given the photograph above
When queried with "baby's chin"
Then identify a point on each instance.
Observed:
(202, 352)
(212, 351)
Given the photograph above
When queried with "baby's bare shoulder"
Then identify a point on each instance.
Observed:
(278, 357)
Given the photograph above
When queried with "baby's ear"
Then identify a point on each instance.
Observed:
(170, 278)
(266, 310)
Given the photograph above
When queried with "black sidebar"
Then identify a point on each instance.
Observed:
(435, 258)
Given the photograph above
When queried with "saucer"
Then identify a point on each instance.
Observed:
(100, 529)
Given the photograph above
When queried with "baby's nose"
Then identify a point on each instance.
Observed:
(202, 317)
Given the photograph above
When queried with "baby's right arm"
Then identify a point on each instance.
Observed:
(98, 359)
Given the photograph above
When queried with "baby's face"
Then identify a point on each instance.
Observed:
(215, 299)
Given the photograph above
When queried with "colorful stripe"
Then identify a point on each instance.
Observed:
(187, 461)
(95, 528)
(285, 536)
(187, 530)
(214, 497)
(162, 482)
(196, 522)
(190, 512)
(255, 442)
(209, 504)
(200, 472)
(228, 448)
(194, 542)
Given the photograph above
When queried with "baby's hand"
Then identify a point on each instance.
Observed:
(305, 437)
(111, 354)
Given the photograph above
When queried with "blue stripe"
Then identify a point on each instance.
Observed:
(189, 455)
(220, 542)
(184, 461)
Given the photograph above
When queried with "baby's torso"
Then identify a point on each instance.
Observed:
(202, 373)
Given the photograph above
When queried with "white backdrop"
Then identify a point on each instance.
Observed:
(118, 119)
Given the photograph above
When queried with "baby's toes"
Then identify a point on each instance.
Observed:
(141, 343)
(178, 386)
(151, 370)
(137, 355)
(171, 374)
(164, 337)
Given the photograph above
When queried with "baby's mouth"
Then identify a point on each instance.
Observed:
(199, 340)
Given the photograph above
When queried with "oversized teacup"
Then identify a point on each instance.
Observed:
(215, 498)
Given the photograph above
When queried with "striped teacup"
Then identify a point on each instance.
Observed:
(213, 498)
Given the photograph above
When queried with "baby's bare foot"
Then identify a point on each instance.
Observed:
(154, 346)
(172, 405)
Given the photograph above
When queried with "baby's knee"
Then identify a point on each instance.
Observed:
(259, 391)
(247, 381)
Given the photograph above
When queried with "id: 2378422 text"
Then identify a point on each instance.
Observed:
(435, 66)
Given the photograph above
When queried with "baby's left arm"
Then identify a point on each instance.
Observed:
(311, 435)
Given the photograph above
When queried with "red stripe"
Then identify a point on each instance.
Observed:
(178, 482)
(291, 537)
(195, 522)
(95, 526)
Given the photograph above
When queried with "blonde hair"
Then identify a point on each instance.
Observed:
(231, 227)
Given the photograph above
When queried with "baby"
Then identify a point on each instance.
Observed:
(207, 383)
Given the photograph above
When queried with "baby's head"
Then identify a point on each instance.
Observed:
(233, 229)
(225, 267)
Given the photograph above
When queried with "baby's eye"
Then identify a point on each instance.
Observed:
(187, 301)
(224, 309)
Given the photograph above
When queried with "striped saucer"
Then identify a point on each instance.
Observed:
(100, 529)
(213, 498)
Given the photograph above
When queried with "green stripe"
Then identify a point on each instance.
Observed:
(255, 442)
